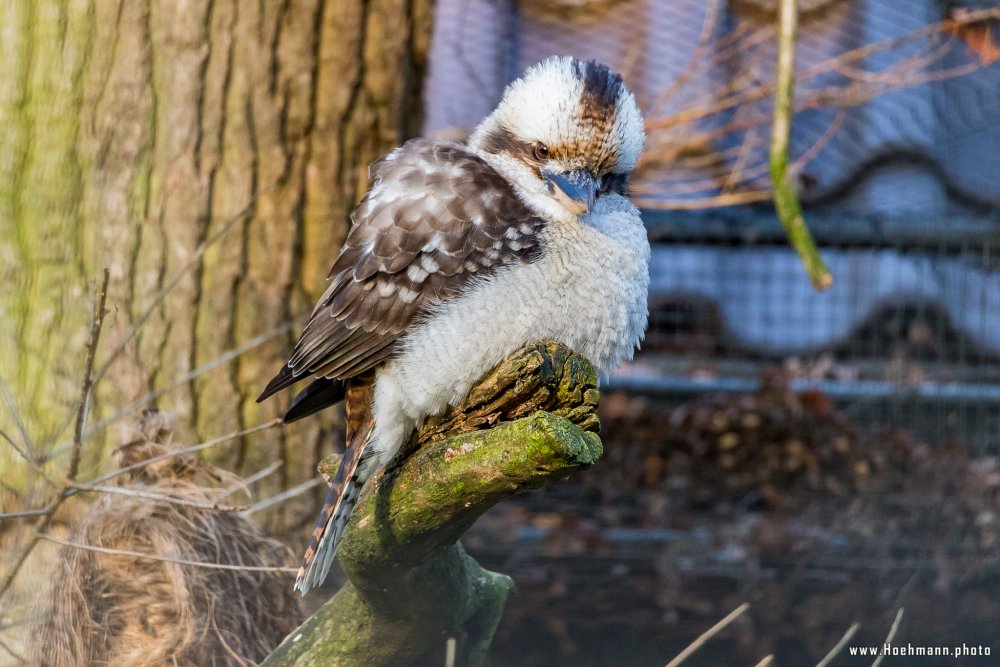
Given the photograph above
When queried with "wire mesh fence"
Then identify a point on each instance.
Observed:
(896, 154)
(826, 456)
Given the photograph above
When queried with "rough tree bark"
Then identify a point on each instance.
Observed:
(410, 585)
(132, 131)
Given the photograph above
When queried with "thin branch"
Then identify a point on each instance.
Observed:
(741, 170)
(741, 97)
(23, 513)
(26, 456)
(711, 104)
(697, 59)
(766, 661)
(708, 634)
(11, 406)
(839, 646)
(181, 380)
(697, 204)
(159, 297)
(663, 156)
(45, 518)
(786, 202)
(284, 495)
(163, 497)
(68, 490)
(890, 636)
(167, 559)
(187, 450)
(244, 484)
(17, 656)
(88, 379)
(817, 147)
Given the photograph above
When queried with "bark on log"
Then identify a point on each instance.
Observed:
(410, 584)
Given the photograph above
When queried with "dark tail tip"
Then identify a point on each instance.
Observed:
(320, 394)
(284, 378)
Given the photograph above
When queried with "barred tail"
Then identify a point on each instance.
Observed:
(355, 469)
(337, 509)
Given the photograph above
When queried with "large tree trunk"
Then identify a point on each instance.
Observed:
(132, 130)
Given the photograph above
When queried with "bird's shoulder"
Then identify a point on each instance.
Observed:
(436, 217)
(429, 186)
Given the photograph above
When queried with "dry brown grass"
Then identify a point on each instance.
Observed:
(117, 609)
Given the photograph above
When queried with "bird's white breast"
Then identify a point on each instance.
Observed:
(588, 290)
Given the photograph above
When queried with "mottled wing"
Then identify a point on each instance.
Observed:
(436, 217)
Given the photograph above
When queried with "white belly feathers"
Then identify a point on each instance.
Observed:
(588, 291)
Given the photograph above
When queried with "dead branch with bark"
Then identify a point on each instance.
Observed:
(411, 587)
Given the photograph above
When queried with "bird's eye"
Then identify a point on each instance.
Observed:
(541, 151)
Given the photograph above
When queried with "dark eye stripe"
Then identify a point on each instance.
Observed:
(500, 140)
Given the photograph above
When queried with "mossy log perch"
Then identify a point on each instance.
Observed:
(410, 585)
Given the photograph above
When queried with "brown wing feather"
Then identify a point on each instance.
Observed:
(436, 216)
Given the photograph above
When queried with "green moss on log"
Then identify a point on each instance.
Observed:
(411, 586)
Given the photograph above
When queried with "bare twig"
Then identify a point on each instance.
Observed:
(23, 513)
(673, 149)
(88, 379)
(24, 454)
(890, 636)
(697, 59)
(786, 201)
(244, 484)
(45, 518)
(766, 661)
(17, 656)
(708, 634)
(187, 450)
(11, 406)
(181, 380)
(171, 283)
(284, 495)
(163, 497)
(839, 646)
(166, 559)
(813, 151)
(763, 90)
(699, 203)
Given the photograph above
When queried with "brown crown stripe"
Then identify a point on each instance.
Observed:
(601, 88)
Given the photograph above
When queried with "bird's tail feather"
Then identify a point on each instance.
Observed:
(356, 467)
(332, 519)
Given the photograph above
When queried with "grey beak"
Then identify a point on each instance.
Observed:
(575, 190)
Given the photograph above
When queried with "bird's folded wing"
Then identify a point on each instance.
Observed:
(436, 217)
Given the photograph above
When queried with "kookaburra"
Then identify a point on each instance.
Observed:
(459, 255)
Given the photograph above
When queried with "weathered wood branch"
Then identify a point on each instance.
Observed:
(411, 586)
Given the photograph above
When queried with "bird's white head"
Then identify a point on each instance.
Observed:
(565, 133)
